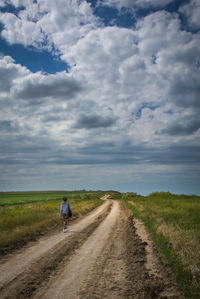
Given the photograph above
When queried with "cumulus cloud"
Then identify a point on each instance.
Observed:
(158, 31)
(173, 64)
(191, 11)
(185, 92)
(182, 125)
(44, 24)
(8, 72)
(149, 68)
(18, 30)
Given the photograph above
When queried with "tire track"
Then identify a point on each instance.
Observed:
(67, 283)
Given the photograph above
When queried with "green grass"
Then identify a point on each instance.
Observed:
(16, 198)
(114, 195)
(25, 215)
(174, 221)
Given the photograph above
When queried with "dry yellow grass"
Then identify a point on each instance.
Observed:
(186, 243)
(21, 223)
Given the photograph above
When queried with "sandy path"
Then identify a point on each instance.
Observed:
(74, 274)
(102, 256)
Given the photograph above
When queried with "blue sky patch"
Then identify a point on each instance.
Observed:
(143, 106)
(11, 9)
(112, 17)
(33, 59)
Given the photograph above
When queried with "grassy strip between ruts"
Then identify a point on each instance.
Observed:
(174, 221)
(21, 223)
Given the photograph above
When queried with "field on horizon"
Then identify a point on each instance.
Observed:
(174, 221)
(24, 197)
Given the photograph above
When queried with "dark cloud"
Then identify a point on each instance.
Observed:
(22, 145)
(185, 92)
(54, 87)
(102, 153)
(7, 75)
(180, 154)
(8, 126)
(51, 118)
(94, 121)
(191, 10)
(182, 127)
(5, 124)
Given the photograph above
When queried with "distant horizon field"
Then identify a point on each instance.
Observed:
(25, 197)
(145, 194)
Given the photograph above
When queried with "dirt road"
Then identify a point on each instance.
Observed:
(103, 255)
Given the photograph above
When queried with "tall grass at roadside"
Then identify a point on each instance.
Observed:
(20, 223)
(174, 221)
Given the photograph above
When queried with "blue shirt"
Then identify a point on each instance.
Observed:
(64, 208)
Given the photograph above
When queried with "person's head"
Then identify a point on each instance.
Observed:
(65, 198)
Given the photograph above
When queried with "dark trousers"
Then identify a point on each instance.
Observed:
(65, 221)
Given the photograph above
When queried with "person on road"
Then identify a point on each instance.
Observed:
(65, 212)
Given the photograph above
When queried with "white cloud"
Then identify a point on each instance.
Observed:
(9, 71)
(17, 30)
(158, 31)
(149, 68)
(134, 4)
(45, 22)
(191, 11)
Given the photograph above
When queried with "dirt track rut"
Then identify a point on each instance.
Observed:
(102, 256)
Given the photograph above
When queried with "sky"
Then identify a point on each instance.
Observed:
(100, 95)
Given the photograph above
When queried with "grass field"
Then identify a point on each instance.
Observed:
(16, 198)
(174, 221)
(25, 215)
